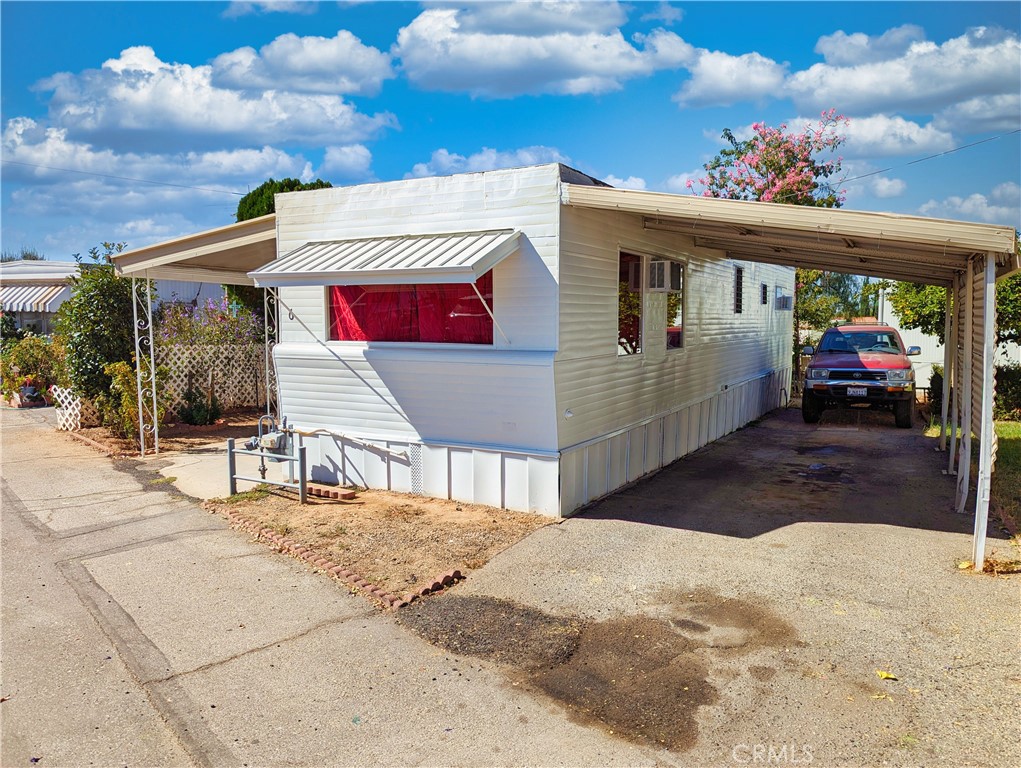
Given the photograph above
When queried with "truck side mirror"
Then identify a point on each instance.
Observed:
(809, 350)
(912, 351)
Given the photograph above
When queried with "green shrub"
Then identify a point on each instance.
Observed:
(199, 407)
(1007, 403)
(32, 361)
(118, 407)
(936, 385)
(96, 325)
(8, 333)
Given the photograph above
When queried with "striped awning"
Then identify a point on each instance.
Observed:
(33, 298)
(461, 257)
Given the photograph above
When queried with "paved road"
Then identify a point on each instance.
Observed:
(139, 630)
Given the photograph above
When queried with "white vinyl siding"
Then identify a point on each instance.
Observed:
(436, 394)
(721, 349)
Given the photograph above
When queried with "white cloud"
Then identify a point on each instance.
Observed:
(443, 162)
(138, 197)
(885, 135)
(351, 162)
(678, 183)
(1001, 206)
(139, 102)
(41, 149)
(664, 12)
(238, 8)
(340, 64)
(842, 50)
(720, 79)
(631, 182)
(540, 17)
(448, 49)
(983, 113)
(883, 187)
(979, 64)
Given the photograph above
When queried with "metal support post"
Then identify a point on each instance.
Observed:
(302, 477)
(231, 468)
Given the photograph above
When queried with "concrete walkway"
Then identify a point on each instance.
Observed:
(138, 629)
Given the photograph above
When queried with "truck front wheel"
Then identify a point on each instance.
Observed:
(903, 413)
(811, 408)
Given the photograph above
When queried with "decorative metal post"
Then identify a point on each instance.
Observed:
(270, 304)
(145, 364)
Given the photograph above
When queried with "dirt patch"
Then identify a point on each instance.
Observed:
(498, 630)
(396, 541)
(642, 678)
(181, 437)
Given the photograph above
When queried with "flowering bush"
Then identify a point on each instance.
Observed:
(218, 321)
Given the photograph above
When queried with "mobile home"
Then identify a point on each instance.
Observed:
(482, 337)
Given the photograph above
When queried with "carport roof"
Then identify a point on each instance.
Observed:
(887, 245)
(221, 255)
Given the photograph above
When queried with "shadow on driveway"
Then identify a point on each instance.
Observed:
(850, 468)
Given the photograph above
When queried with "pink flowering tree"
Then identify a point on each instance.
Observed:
(776, 165)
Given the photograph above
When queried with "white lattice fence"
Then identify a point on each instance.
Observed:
(238, 373)
(73, 412)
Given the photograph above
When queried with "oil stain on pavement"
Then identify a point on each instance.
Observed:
(641, 678)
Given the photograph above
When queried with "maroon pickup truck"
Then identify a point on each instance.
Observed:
(860, 365)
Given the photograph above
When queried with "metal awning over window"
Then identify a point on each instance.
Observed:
(461, 257)
(33, 298)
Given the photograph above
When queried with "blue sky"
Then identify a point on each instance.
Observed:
(211, 99)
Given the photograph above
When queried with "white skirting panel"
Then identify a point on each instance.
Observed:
(598, 467)
(498, 478)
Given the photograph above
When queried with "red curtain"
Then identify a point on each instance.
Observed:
(443, 312)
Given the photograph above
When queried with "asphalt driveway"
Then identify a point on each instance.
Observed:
(799, 561)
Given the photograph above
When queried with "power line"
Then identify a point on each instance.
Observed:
(125, 178)
(932, 157)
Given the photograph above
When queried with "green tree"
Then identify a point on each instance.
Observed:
(923, 307)
(23, 254)
(260, 201)
(96, 324)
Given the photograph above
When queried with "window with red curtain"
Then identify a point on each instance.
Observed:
(449, 313)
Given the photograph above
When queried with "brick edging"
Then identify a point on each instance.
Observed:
(353, 580)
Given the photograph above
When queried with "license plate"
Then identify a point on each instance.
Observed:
(857, 392)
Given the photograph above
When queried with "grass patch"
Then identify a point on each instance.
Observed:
(1006, 488)
(257, 493)
(163, 480)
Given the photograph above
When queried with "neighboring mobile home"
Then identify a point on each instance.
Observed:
(477, 337)
(32, 291)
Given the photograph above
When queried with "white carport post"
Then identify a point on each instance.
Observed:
(987, 436)
(948, 361)
(967, 364)
(952, 380)
(145, 381)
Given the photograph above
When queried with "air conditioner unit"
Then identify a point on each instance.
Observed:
(664, 275)
(785, 302)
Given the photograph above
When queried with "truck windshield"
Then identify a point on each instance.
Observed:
(860, 341)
